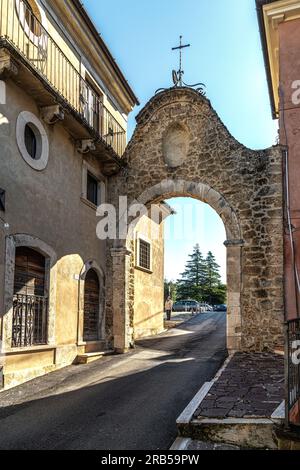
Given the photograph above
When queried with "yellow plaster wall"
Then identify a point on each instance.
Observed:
(149, 287)
(51, 63)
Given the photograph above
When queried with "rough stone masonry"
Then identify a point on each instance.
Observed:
(181, 148)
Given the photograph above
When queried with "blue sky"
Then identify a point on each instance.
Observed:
(225, 54)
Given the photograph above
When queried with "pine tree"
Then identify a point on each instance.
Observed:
(214, 290)
(190, 286)
(201, 279)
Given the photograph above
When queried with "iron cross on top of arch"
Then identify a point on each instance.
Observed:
(178, 76)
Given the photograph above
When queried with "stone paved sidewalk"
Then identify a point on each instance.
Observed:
(252, 386)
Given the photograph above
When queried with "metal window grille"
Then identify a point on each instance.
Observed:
(30, 319)
(144, 255)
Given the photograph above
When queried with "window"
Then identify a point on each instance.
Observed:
(144, 255)
(91, 101)
(92, 189)
(91, 307)
(32, 17)
(30, 304)
(94, 110)
(30, 141)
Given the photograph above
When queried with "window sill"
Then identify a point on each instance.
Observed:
(89, 343)
(148, 271)
(88, 203)
(28, 349)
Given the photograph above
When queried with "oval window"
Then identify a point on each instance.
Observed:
(32, 140)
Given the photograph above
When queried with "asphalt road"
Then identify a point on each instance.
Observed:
(120, 403)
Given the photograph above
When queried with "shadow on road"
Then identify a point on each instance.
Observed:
(128, 403)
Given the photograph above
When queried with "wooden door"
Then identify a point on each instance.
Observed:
(91, 307)
(29, 272)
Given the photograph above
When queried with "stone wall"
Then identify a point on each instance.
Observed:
(244, 186)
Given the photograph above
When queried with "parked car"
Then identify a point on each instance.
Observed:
(203, 307)
(186, 306)
(221, 308)
(209, 308)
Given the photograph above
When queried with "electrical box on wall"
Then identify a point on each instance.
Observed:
(2, 200)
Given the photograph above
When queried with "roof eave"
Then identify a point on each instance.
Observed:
(80, 7)
(259, 8)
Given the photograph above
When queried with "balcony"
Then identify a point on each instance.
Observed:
(31, 57)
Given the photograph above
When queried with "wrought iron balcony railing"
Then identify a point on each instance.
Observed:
(22, 30)
(30, 320)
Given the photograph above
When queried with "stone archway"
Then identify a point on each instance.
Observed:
(181, 148)
(234, 242)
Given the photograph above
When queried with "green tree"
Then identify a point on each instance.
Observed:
(214, 290)
(192, 281)
(219, 295)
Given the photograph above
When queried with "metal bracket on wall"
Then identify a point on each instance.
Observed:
(2, 200)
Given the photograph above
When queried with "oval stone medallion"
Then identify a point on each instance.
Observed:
(175, 145)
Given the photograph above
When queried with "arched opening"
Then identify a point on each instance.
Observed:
(195, 268)
(30, 302)
(178, 250)
(123, 260)
(91, 307)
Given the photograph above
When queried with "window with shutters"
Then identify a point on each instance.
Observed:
(92, 106)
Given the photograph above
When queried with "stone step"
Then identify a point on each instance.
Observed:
(181, 444)
(87, 358)
(288, 439)
(245, 433)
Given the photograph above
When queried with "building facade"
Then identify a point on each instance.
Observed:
(280, 33)
(66, 293)
(63, 125)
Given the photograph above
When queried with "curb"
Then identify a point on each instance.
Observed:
(181, 443)
(188, 413)
(248, 433)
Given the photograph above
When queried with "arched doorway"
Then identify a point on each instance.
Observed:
(234, 244)
(30, 303)
(91, 307)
